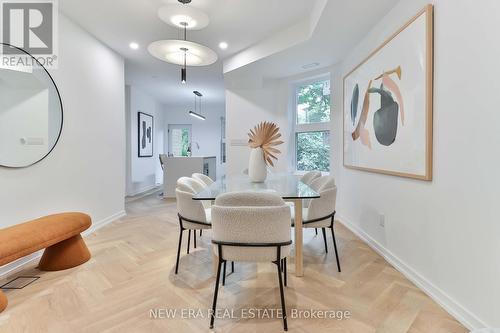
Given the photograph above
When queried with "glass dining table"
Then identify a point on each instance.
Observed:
(286, 185)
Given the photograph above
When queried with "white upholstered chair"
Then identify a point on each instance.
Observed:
(192, 216)
(321, 211)
(322, 182)
(203, 178)
(308, 177)
(194, 186)
(251, 227)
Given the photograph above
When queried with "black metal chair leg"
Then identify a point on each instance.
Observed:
(316, 230)
(189, 240)
(232, 266)
(324, 239)
(284, 270)
(178, 252)
(335, 247)
(201, 232)
(224, 275)
(282, 294)
(216, 292)
(194, 234)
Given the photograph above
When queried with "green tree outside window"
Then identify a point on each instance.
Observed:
(313, 106)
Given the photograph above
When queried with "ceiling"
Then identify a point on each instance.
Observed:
(248, 26)
(341, 27)
(240, 23)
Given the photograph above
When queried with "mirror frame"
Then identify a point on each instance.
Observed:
(60, 104)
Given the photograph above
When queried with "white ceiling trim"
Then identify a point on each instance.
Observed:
(291, 36)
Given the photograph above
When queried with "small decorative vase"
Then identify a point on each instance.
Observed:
(257, 169)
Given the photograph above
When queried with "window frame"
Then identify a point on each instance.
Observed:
(310, 127)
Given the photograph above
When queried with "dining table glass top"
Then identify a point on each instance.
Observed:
(286, 185)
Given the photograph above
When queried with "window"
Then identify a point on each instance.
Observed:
(179, 141)
(312, 125)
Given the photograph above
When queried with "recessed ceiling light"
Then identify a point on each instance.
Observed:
(311, 65)
(134, 46)
(223, 45)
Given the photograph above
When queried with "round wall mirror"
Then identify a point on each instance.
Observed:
(31, 113)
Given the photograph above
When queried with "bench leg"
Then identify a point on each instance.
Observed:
(3, 301)
(66, 254)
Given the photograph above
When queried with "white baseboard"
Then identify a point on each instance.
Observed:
(455, 309)
(17, 265)
(14, 266)
(144, 190)
(98, 225)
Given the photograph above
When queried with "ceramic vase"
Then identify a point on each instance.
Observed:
(257, 169)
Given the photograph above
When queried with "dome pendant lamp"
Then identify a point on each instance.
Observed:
(183, 52)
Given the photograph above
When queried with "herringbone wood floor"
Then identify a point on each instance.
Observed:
(131, 272)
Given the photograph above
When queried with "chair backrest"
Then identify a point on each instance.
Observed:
(162, 160)
(310, 176)
(322, 183)
(324, 205)
(202, 178)
(189, 208)
(190, 185)
(251, 217)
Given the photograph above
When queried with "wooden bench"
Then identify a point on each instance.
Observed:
(58, 234)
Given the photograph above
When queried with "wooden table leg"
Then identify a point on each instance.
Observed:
(215, 262)
(299, 269)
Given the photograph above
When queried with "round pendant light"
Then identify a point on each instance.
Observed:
(174, 50)
(178, 15)
(183, 52)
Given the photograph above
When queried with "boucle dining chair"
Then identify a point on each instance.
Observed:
(188, 184)
(202, 178)
(192, 216)
(321, 211)
(251, 227)
(323, 182)
(308, 177)
(194, 186)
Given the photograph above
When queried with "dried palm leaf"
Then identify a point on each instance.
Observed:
(265, 135)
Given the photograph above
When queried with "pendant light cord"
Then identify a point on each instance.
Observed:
(185, 39)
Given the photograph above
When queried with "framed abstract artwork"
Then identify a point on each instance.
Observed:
(145, 134)
(388, 104)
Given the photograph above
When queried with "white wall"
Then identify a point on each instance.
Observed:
(85, 172)
(444, 233)
(207, 133)
(246, 106)
(143, 173)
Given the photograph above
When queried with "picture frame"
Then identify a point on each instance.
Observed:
(145, 134)
(397, 138)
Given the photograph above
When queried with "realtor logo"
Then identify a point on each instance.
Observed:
(30, 25)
